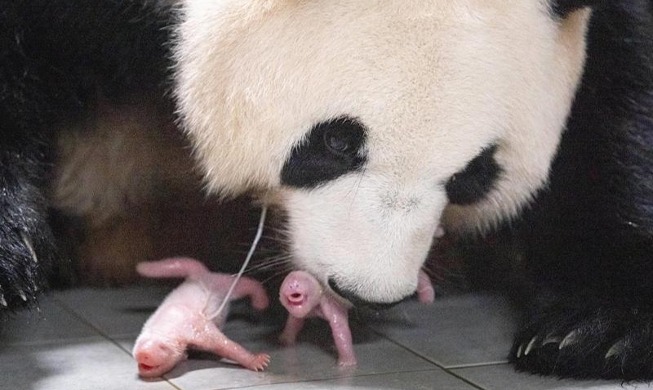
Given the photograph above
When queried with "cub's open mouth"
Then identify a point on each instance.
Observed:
(295, 299)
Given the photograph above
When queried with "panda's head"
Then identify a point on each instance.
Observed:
(374, 122)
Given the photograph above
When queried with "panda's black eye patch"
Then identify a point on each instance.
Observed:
(331, 149)
(476, 180)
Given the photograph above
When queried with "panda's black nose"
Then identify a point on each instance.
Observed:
(360, 302)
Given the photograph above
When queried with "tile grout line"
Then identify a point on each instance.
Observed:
(474, 365)
(104, 335)
(90, 324)
(369, 375)
(424, 357)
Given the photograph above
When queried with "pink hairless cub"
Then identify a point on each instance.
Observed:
(188, 317)
(303, 296)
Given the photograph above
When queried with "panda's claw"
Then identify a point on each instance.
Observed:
(551, 340)
(571, 338)
(530, 345)
(615, 350)
(30, 247)
(519, 350)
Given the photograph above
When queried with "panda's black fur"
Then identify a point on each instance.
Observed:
(57, 58)
(589, 236)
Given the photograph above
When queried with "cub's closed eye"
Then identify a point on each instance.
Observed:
(331, 149)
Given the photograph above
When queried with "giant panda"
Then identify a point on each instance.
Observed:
(370, 125)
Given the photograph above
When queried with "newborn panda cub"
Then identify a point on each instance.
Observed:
(303, 296)
(189, 317)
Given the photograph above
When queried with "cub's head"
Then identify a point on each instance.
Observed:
(372, 123)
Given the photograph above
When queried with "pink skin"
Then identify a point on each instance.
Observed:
(303, 296)
(186, 318)
(425, 292)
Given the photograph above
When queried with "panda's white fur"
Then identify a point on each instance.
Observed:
(433, 82)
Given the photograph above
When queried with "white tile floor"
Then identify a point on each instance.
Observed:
(81, 339)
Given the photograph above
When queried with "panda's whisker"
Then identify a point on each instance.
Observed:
(356, 187)
(269, 261)
(268, 264)
(275, 275)
(279, 261)
(428, 271)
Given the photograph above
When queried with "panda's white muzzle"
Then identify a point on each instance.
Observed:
(366, 242)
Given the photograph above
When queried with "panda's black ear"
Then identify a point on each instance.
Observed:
(562, 8)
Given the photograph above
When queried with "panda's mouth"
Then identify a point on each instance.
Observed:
(359, 302)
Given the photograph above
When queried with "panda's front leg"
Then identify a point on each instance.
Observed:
(577, 334)
(26, 243)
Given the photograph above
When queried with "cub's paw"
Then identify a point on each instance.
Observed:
(347, 362)
(259, 363)
(587, 342)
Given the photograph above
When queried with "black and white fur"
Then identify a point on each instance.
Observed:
(426, 103)
(372, 124)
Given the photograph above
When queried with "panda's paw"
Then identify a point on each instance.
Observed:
(27, 249)
(24, 256)
(587, 342)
